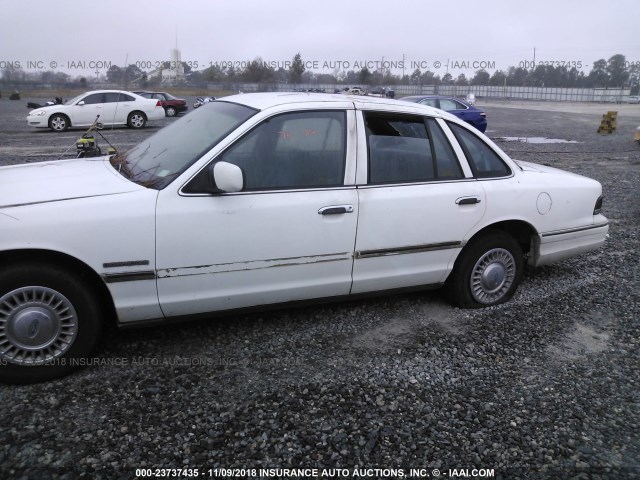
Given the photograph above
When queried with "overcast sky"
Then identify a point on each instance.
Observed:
(500, 33)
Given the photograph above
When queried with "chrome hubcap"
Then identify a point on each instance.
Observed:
(58, 123)
(37, 325)
(137, 120)
(493, 275)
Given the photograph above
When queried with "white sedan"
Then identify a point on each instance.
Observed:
(114, 107)
(273, 199)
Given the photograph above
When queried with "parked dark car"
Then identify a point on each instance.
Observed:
(172, 105)
(472, 115)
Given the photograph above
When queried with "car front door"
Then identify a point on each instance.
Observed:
(287, 236)
(85, 111)
(417, 202)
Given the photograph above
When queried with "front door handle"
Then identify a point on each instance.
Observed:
(336, 210)
(468, 201)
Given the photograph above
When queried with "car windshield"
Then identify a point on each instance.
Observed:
(155, 162)
(170, 97)
(75, 100)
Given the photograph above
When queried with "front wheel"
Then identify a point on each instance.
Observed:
(136, 120)
(487, 272)
(49, 323)
(170, 111)
(59, 122)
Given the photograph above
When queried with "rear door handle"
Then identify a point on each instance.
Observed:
(468, 201)
(336, 210)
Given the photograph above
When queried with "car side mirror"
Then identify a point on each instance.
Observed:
(227, 177)
(81, 102)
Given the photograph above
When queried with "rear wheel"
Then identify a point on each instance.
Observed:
(136, 120)
(487, 272)
(49, 322)
(170, 111)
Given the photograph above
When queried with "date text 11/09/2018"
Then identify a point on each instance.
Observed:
(358, 472)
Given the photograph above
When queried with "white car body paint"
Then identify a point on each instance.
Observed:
(164, 253)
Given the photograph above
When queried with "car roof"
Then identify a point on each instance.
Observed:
(418, 98)
(262, 101)
(108, 91)
(431, 96)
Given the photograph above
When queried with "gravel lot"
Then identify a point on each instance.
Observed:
(546, 386)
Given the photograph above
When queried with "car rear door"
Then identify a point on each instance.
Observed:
(417, 201)
(116, 107)
(456, 108)
(288, 236)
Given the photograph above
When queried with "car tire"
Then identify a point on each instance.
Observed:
(136, 120)
(59, 122)
(170, 111)
(51, 322)
(487, 272)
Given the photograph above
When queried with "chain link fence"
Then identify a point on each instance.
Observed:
(506, 93)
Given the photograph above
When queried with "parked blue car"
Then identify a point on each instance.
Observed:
(464, 111)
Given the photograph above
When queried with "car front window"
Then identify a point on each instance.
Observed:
(293, 150)
(155, 162)
(94, 98)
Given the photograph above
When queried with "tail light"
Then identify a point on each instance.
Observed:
(598, 208)
(482, 114)
(158, 104)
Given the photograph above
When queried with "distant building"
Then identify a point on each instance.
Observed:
(175, 73)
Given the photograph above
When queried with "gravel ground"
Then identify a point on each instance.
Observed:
(546, 386)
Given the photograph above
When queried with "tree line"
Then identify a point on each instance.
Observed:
(612, 73)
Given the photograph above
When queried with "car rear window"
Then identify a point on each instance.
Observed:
(408, 149)
(483, 160)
